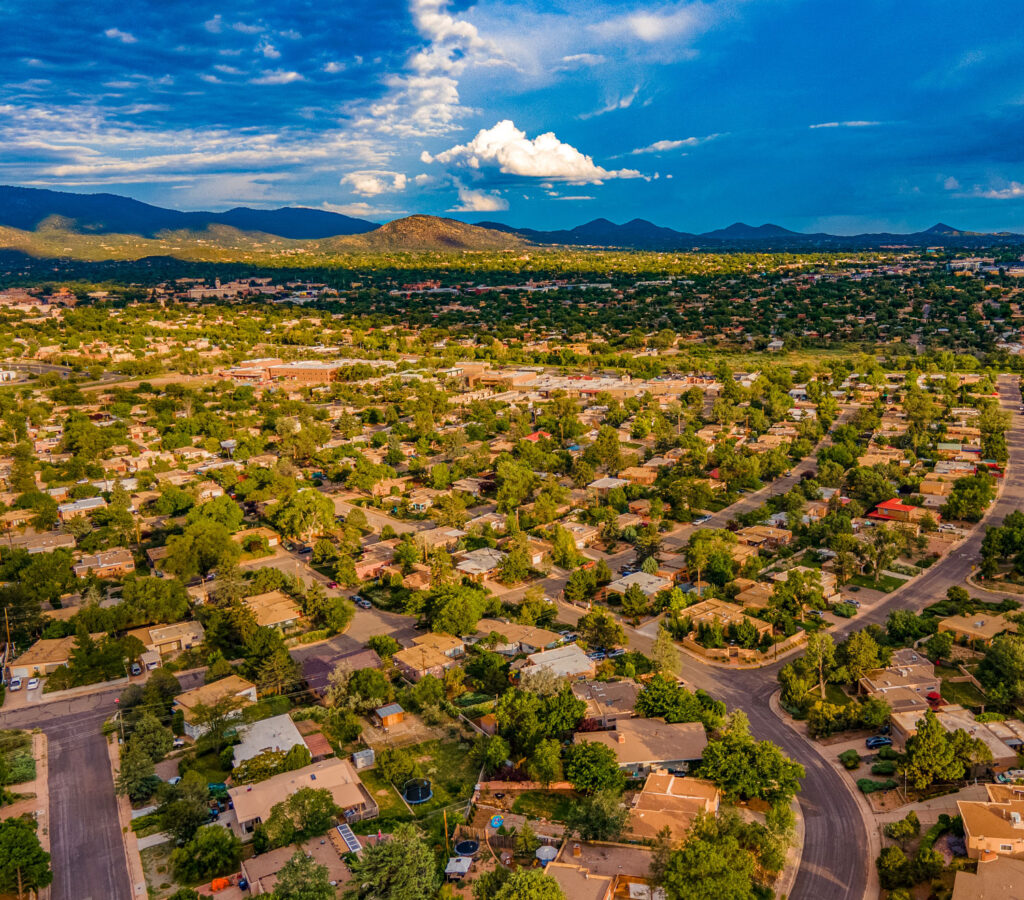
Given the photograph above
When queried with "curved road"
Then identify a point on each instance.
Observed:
(834, 863)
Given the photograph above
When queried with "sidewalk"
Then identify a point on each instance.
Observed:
(38, 806)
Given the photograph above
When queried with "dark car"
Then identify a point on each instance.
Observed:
(878, 742)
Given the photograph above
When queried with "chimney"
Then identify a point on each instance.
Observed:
(577, 850)
(621, 738)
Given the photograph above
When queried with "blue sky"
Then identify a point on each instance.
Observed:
(839, 115)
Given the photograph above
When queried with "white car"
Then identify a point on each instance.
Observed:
(33, 683)
(15, 685)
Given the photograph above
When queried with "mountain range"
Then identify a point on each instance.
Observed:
(45, 223)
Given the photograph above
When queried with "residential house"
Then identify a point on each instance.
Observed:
(233, 690)
(564, 662)
(278, 733)
(481, 563)
(169, 639)
(106, 564)
(673, 802)
(995, 825)
(607, 701)
(905, 683)
(997, 878)
(432, 654)
(641, 745)
(44, 656)
(316, 670)
(516, 638)
(981, 627)
(68, 511)
(713, 612)
(253, 802)
(649, 585)
(764, 536)
(274, 609)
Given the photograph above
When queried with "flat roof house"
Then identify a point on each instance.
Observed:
(253, 802)
(641, 745)
(607, 701)
(995, 825)
(106, 564)
(276, 733)
(672, 801)
(68, 511)
(564, 662)
(168, 639)
(648, 584)
(981, 626)
(44, 656)
(518, 638)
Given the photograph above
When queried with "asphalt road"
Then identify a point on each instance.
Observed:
(88, 854)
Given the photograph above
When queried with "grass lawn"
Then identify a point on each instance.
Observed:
(886, 583)
(834, 694)
(16, 751)
(539, 805)
(208, 765)
(451, 772)
(962, 692)
(947, 671)
(391, 805)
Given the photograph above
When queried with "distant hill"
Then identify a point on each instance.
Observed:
(429, 233)
(45, 224)
(27, 208)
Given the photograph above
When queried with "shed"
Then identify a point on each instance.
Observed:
(389, 715)
(457, 868)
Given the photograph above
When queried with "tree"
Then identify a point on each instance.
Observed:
(383, 645)
(744, 768)
(599, 628)
(893, 868)
(186, 809)
(930, 756)
(302, 878)
(401, 868)
(136, 778)
(600, 817)
(710, 866)
(201, 547)
(303, 515)
(821, 656)
(591, 767)
(545, 763)
(529, 884)
(665, 654)
(904, 830)
(24, 864)
(858, 655)
(665, 698)
(151, 737)
(213, 851)
(939, 645)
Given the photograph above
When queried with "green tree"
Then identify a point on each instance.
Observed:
(213, 851)
(303, 515)
(383, 645)
(24, 865)
(710, 866)
(545, 763)
(529, 884)
(302, 878)
(591, 767)
(599, 817)
(599, 628)
(151, 737)
(930, 756)
(136, 778)
(665, 653)
(401, 868)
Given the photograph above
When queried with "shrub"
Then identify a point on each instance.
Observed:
(870, 786)
(884, 767)
(844, 610)
(888, 753)
(850, 758)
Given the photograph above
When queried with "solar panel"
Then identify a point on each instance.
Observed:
(350, 839)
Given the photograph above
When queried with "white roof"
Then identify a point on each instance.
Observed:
(275, 733)
(564, 661)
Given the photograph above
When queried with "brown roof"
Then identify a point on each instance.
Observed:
(273, 608)
(317, 669)
(669, 800)
(254, 801)
(647, 741)
(998, 878)
(209, 694)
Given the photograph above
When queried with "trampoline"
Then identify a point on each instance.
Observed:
(417, 790)
(467, 848)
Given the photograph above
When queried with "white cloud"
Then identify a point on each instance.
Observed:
(247, 29)
(1013, 190)
(669, 145)
(268, 50)
(277, 76)
(228, 70)
(479, 201)
(290, 34)
(675, 22)
(116, 34)
(579, 60)
(333, 68)
(623, 102)
(951, 184)
(856, 123)
(360, 209)
(214, 25)
(576, 197)
(373, 182)
(210, 79)
(545, 156)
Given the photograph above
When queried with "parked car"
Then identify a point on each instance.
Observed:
(178, 743)
(1011, 776)
(136, 669)
(878, 742)
(33, 683)
(362, 602)
(700, 520)
(618, 651)
(333, 585)
(597, 655)
(15, 685)
(175, 780)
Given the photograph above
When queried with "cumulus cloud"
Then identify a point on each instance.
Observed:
(214, 25)
(268, 50)
(277, 76)
(479, 201)
(371, 183)
(856, 123)
(360, 208)
(674, 22)
(545, 156)
(951, 184)
(668, 145)
(1013, 190)
(580, 60)
(116, 34)
(333, 67)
